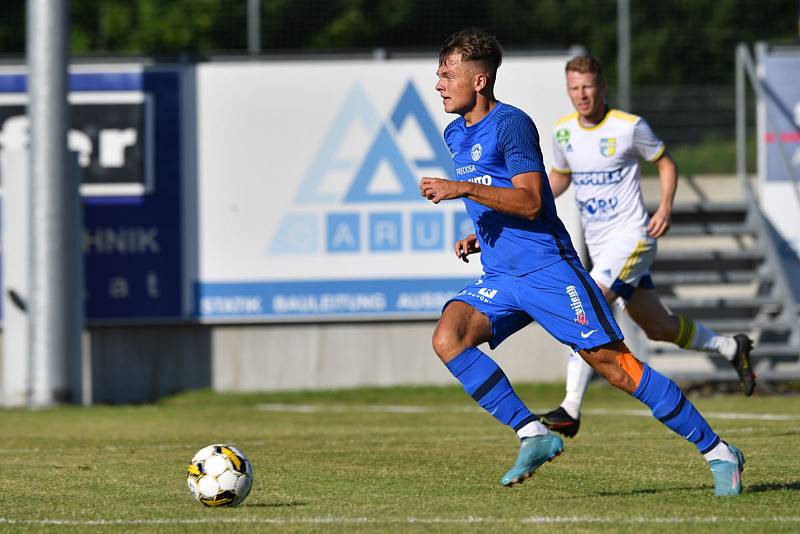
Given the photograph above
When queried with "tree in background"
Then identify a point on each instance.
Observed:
(677, 41)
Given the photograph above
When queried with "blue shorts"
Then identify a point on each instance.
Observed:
(561, 297)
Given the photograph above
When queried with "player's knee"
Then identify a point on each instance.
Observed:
(446, 344)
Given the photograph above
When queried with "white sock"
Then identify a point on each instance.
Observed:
(579, 373)
(721, 452)
(534, 428)
(695, 335)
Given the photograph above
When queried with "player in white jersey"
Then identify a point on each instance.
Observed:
(598, 150)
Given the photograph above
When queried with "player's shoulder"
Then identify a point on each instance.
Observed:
(623, 116)
(455, 126)
(511, 119)
(568, 118)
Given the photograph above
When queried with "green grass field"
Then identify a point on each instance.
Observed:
(392, 460)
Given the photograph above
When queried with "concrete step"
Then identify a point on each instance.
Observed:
(704, 211)
(704, 277)
(708, 260)
(723, 308)
(701, 228)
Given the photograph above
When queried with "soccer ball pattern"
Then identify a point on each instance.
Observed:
(220, 475)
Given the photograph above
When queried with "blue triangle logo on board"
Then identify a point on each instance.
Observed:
(383, 174)
(410, 106)
(356, 110)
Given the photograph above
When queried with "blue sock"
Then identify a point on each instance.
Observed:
(485, 382)
(670, 406)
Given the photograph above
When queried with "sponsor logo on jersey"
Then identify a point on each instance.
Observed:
(465, 169)
(598, 177)
(597, 206)
(485, 179)
(476, 152)
(562, 137)
(577, 306)
(608, 146)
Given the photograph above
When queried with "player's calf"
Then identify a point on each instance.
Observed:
(669, 405)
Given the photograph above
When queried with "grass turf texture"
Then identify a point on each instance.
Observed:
(354, 461)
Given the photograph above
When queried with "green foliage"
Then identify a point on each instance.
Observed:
(143, 26)
(687, 42)
(342, 464)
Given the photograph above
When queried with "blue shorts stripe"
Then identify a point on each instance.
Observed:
(598, 308)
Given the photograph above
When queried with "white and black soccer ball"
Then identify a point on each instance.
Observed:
(220, 475)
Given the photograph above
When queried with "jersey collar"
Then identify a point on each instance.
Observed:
(598, 125)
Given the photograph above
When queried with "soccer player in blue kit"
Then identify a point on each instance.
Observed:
(531, 271)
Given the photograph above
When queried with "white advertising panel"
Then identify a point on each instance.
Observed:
(308, 206)
(779, 142)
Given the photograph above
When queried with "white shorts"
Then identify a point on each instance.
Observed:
(623, 262)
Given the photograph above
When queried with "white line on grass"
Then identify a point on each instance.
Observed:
(326, 520)
(361, 408)
(409, 409)
(710, 415)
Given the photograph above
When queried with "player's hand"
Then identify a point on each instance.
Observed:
(659, 223)
(465, 247)
(438, 189)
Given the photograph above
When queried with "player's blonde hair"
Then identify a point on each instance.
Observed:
(584, 64)
(474, 44)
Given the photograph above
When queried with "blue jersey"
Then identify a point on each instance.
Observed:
(503, 144)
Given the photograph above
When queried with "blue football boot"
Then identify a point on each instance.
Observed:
(533, 452)
(728, 475)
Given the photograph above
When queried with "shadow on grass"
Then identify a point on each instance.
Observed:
(774, 486)
(748, 488)
(287, 504)
(646, 491)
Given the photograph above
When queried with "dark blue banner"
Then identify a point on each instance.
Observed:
(126, 132)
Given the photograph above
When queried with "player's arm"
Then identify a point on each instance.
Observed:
(559, 181)
(651, 148)
(523, 200)
(668, 179)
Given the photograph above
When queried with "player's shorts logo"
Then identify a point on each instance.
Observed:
(488, 293)
(608, 146)
(476, 151)
(577, 306)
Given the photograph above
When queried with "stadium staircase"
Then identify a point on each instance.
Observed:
(720, 263)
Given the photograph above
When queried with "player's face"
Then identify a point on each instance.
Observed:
(456, 85)
(587, 94)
